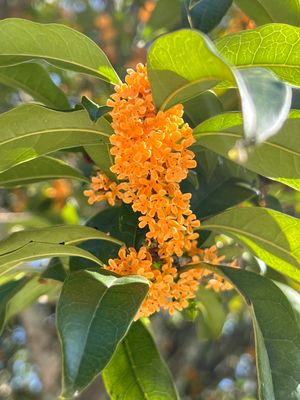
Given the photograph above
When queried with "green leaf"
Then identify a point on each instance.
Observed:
(266, 103)
(137, 370)
(100, 154)
(94, 313)
(270, 235)
(265, 11)
(37, 170)
(202, 107)
(205, 15)
(36, 251)
(220, 134)
(273, 46)
(34, 80)
(165, 17)
(177, 74)
(222, 184)
(19, 294)
(23, 40)
(61, 234)
(30, 131)
(95, 111)
(277, 335)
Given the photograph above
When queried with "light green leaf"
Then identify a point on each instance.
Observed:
(277, 335)
(177, 74)
(34, 80)
(94, 313)
(24, 40)
(37, 170)
(36, 251)
(137, 370)
(273, 46)
(61, 234)
(220, 134)
(270, 235)
(265, 11)
(30, 131)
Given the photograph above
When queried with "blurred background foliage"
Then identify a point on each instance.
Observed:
(211, 359)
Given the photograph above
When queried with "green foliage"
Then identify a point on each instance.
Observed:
(241, 155)
(94, 313)
(132, 372)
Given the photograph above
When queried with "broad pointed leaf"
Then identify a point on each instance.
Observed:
(278, 158)
(37, 170)
(94, 313)
(273, 46)
(23, 40)
(34, 79)
(61, 234)
(270, 235)
(137, 370)
(30, 131)
(265, 11)
(36, 251)
(100, 154)
(277, 335)
(177, 74)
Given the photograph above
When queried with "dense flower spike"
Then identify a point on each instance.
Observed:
(151, 158)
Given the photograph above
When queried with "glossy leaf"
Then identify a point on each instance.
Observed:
(94, 313)
(30, 131)
(220, 134)
(273, 46)
(266, 103)
(36, 251)
(202, 107)
(95, 111)
(37, 170)
(177, 74)
(221, 184)
(61, 234)
(34, 79)
(266, 11)
(205, 15)
(277, 335)
(137, 370)
(270, 235)
(24, 40)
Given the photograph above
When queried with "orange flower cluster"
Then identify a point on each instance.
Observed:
(151, 158)
(170, 289)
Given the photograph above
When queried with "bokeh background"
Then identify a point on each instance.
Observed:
(210, 349)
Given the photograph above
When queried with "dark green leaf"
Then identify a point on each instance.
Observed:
(202, 107)
(205, 15)
(277, 335)
(30, 131)
(272, 236)
(220, 134)
(100, 154)
(137, 371)
(34, 80)
(94, 313)
(37, 170)
(23, 40)
(95, 111)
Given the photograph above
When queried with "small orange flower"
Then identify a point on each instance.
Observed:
(151, 158)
